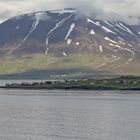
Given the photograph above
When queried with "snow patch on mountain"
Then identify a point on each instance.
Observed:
(69, 41)
(109, 24)
(77, 43)
(47, 50)
(64, 54)
(126, 49)
(126, 29)
(114, 56)
(58, 25)
(108, 30)
(91, 21)
(111, 44)
(38, 16)
(34, 25)
(41, 16)
(108, 39)
(92, 32)
(70, 30)
(101, 48)
(129, 45)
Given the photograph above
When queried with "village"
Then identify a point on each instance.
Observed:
(120, 83)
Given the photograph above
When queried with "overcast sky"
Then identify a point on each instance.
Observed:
(125, 8)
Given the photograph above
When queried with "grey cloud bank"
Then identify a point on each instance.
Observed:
(128, 9)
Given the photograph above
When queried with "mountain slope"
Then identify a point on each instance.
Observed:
(68, 39)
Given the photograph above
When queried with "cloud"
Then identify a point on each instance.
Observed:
(128, 9)
(10, 8)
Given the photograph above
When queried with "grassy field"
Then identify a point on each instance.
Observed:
(12, 64)
(86, 64)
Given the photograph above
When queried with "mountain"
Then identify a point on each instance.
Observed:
(66, 40)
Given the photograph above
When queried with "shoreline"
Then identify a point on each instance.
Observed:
(59, 93)
(71, 89)
(120, 83)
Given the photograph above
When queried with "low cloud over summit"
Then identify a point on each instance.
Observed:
(126, 9)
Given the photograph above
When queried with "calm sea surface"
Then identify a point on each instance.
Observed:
(69, 115)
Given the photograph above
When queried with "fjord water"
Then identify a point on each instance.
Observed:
(69, 115)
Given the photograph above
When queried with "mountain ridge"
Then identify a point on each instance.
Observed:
(67, 36)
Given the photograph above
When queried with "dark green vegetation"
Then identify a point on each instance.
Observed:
(121, 83)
